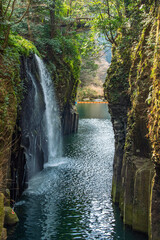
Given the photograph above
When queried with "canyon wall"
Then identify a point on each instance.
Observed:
(16, 101)
(132, 90)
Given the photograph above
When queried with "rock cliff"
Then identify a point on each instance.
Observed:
(132, 89)
(16, 100)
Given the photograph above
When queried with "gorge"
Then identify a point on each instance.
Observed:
(65, 188)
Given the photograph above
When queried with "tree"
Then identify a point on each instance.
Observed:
(53, 19)
(8, 18)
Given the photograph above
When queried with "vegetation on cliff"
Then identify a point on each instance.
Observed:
(132, 83)
(10, 97)
(11, 88)
(132, 90)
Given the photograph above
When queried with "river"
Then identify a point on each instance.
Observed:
(71, 198)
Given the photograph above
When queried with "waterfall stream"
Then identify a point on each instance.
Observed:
(51, 113)
(40, 123)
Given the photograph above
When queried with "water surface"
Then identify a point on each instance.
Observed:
(71, 198)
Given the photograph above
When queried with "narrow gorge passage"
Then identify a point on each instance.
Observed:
(71, 199)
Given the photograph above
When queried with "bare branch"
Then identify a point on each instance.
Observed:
(7, 7)
(1, 9)
(108, 12)
(13, 5)
(105, 31)
(24, 14)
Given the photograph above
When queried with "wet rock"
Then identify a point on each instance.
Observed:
(70, 119)
(11, 218)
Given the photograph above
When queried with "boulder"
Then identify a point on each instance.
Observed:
(11, 218)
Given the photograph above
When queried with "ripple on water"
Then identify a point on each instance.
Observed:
(70, 199)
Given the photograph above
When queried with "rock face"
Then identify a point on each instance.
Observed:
(119, 120)
(20, 89)
(70, 119)
(11, 218)
(132, 92)
(30, 130)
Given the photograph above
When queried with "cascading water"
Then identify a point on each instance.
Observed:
(51, 113)
(40, 122)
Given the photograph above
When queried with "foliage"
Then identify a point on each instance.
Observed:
(154, 110)
(10, 95)
(22, 46)
(9, 17)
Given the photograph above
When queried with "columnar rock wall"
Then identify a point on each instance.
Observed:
(132, 92)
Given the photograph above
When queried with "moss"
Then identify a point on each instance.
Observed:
(116, 85)
(66, 80)
(154, 119)
(22, 46)
(10, 96)
(11, 218)
(138, 199)
(128, 214)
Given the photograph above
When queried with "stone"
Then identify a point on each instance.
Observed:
(136, 200)
(11, 218)
(70, 119)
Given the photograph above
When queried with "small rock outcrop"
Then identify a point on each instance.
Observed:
(11, 218)
(70, 120)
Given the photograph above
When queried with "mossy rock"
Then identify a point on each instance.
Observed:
(7, 198)
(4, 234)
(11, 218)
(1, 213)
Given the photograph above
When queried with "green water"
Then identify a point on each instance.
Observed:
(71, 199)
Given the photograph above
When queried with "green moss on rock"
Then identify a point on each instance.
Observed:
(132, 185)
(10, 97)
(11, 218)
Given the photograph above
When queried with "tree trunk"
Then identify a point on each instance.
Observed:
(29, 28)
(53, 20)
(1, 9)
(7, 32)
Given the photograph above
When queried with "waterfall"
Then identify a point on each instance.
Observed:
(40, 121)
(51, 113)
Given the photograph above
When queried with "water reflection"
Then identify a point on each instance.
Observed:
(96, 110)
(72, 199)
